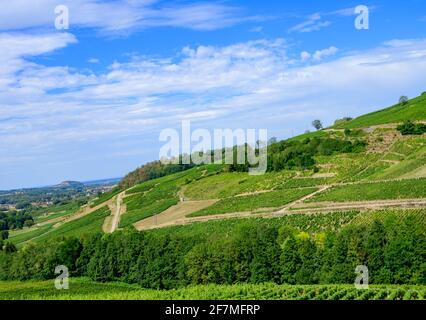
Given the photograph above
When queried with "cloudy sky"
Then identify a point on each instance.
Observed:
(89, 102)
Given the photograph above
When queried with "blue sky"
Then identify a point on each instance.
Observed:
(89, 102)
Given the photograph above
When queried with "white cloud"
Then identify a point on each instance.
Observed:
(93, 60)
(258, 29)
(316, 22)
(120, 15)
(312, 23)
(45, 109)
(305, 56)
(320, 54)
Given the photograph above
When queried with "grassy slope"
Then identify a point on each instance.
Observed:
(57, 211)
(414, 110)
(87, 224)
(155, 196)
(18, 238)
(81, 288)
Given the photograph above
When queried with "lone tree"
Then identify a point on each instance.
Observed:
(403, 100)
(317, 124)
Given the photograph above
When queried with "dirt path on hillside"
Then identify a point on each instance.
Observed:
(117, 208)
(313, 194)
(173, 214)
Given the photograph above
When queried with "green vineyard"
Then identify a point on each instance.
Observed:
(81, 288)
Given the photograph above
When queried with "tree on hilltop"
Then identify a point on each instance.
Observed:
(317, 124)
(403, 100)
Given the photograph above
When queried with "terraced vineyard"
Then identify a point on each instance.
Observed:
(330, 200)
(251, 203)
(88, 224)
(85, 289)
(403, 189)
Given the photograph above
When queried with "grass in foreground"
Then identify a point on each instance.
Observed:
(81, 288)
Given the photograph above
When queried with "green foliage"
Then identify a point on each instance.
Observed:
(343, 120)
(150, 171)
(317, 124)
(403, 100)
(4, 235)
(14, 220)
(300, 154)
(409, 127)
(391, 243)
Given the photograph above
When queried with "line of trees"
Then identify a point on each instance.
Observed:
(394, 251)
(10, 220)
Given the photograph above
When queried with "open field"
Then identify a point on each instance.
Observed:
(81, 288)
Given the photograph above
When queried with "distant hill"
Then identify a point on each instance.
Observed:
(111, 181)
(69, 184)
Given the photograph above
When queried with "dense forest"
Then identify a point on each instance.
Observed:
(393, 249)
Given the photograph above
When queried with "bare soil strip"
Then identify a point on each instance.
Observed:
(117, 210)
(173, 215)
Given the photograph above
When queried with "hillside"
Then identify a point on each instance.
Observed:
(322, 192)
(338, 176)
(414, 110)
